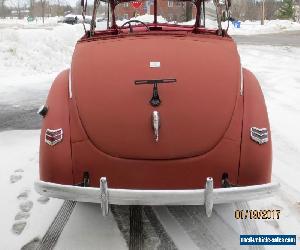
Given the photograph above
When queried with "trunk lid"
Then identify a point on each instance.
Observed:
(195, 112)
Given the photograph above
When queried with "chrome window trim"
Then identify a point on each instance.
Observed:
(70, 83)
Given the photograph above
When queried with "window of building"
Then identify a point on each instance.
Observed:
(170, 3)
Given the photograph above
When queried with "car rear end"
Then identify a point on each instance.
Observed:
(201, 144)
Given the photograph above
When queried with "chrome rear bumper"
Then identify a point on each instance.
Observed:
(105, 195)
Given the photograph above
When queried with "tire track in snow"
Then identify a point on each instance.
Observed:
(248, 226)
(121, 216)
(54, 231)
(154, 234)
(189, 217)
(136, 241)
(206, 233)
(174, 229)
(166, 243)
(195, 229)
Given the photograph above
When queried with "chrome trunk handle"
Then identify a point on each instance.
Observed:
(155, 124)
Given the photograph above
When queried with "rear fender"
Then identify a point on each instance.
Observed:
(256, 160)
(56, 161)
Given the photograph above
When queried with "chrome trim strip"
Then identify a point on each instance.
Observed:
(157, 197)
(242, 81)
(259, 134)
(70, 84)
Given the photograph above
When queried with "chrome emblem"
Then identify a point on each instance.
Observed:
(53, 136)
(155, 124)
(259, 135)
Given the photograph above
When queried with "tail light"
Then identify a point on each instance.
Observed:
(53, 136)
(259, 135)
(43, 110)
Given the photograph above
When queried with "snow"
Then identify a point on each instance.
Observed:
(147, 18)
(37, 48)
(32, 54)
(88, 227)
(19, 157)
(246, 27)
(255, 28)
(277, 69)
(23, 23)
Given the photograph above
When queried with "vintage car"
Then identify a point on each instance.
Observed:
(70, 19)
(155, 114)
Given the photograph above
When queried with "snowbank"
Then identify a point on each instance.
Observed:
(149, 18)
(32, 54)
(31, 57)
(23, 23)
(38, 50)
(255, 28)
(143, 18)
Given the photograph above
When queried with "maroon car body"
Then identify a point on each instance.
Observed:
(213, 119)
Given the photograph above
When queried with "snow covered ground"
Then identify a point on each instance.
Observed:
(255, 28)
(21, 207)
(278, 71)
(30, 57)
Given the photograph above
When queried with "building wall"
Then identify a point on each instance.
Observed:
(126, 11)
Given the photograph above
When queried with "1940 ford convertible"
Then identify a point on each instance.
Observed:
(155, 114)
